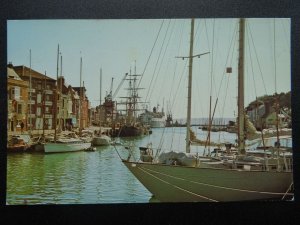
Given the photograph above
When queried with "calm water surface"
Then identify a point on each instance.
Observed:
(89, 177)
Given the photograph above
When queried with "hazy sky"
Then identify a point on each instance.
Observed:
(115, 45)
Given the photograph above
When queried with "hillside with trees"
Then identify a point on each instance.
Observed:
(284, 100)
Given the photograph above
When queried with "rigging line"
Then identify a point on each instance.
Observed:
(182, 75)
(218, 93)
(233, 40)
(176, 61)
(285, 34)
(161, 62)
(151, 52)
(233, 105)
(275, 68)
(158, 58)
(211, 81)
(287, 191)
(261, 74)
(251, 62)
(207, 34)
(228, 60)
(212, 58)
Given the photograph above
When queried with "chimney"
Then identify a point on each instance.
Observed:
(10, 65)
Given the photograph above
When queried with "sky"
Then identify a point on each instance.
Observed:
(149, 47)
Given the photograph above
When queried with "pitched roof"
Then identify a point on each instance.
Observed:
(23, 71)
(12, 74)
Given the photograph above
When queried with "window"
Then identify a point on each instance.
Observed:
(19, 109)
(48, 87)
(39, 98)
(39, 86)
(15, 93)
(38, 111)
(47, 109)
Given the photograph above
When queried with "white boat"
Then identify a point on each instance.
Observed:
(155, 118)
(184, 178)
(66, 145)
(158, 122)
(70, 142)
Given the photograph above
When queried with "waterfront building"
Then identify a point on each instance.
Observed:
(108, 110)
(68, 104)
(38, 103)
(17, 93)
(82, 107)
(40, 98)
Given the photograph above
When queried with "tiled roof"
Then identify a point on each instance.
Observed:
(23, 71)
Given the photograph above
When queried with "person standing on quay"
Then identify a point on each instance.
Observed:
(22, 127)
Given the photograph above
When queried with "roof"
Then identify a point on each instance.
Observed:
(12, 74)
(23, 71)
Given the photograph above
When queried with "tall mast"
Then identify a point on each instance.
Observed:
(61, 96)
(189, 106)
(55, 96)
(80, 96)
(30, 91)
(100, 98)
(241, 117)
(277, 106)
(44, 107)
(188, 120)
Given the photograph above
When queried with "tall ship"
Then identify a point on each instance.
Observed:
(127, 124)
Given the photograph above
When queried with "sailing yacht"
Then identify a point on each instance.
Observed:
(182, 177)
(70, 143)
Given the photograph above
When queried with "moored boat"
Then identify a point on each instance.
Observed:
(181, 177)
(17, 144)
(66, 145)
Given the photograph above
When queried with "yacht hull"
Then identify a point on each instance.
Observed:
(191, 184)
(66, 147)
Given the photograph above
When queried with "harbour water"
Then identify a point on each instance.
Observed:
(97, 177)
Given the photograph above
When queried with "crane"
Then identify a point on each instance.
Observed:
(118, 88)
(111, 86)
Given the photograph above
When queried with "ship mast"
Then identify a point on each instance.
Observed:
(189, 105)
(30, 91)
(188, 120)
(80, 98)
(100, 99)
(55, 95)
(241, 116)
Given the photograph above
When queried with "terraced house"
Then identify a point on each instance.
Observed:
(31, 100)
(17, 93)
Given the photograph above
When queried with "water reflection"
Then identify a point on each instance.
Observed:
(86, 177)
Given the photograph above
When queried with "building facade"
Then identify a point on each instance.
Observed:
(34, 101)
(41, 98)
(17, 93)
